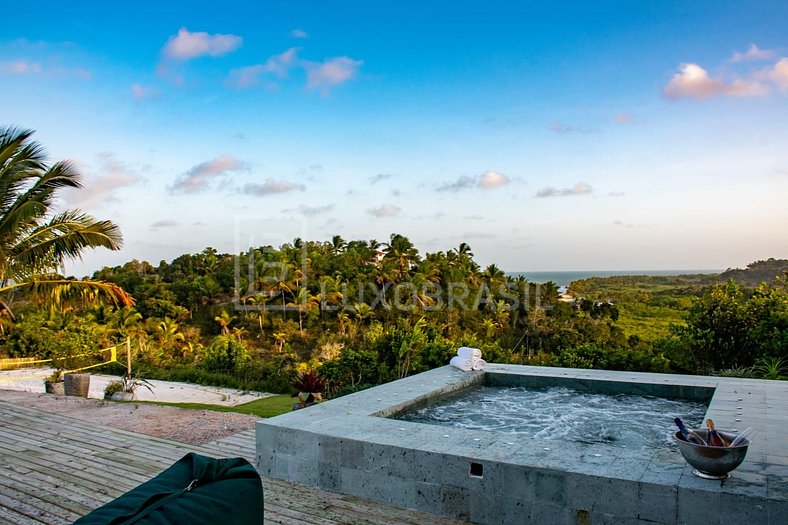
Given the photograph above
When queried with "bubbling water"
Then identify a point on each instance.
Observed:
(560, 413)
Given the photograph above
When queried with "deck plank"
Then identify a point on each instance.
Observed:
(54, 468)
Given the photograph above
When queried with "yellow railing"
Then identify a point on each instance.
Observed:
(21, 362)
(18, 362)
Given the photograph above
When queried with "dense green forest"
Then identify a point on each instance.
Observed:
(363, 313)
(355, 313)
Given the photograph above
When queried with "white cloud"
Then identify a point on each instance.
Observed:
(561, 127)
(487, 181)
(493, 179)
(464, 182)
(52, 69)
(198, 178)
(581, 188)
(165, 223)
(101, 188)
(753, 53)
(479, 235)
(20, 67)
(279, 65)
(621, 223)
(298, 33)
(141, 92)
(386, 210)
(330, 73)
(271, 186)
(187, 45)
(624, 118)
(246, 77)
(779, 74)
(380, 177)
(746, 88)
(311, 211)
(694, 82)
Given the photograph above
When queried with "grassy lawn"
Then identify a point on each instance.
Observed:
(266, 407)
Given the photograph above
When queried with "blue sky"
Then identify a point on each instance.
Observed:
(612, 135)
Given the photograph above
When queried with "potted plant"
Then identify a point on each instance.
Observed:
(53, 383)
(125, 388)
(310, 388)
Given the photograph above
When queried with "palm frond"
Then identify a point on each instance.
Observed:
(61, 291)
(64, 237)
(11, 141)
(33, 242)
(60, 175)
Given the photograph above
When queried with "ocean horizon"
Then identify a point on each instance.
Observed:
(563, 278)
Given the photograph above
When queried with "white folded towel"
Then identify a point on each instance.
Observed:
(469, 353)
(462, 364)
(478, 364)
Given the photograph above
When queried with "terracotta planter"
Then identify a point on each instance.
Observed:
(54, 388)
(76, 384)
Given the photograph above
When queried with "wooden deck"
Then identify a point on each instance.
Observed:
(54, 469)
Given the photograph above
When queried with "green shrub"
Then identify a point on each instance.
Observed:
(225, 354)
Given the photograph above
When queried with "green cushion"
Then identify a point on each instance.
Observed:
(196, 490)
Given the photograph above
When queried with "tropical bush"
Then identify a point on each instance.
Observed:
(226, 353)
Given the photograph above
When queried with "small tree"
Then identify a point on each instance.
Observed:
(226, 353)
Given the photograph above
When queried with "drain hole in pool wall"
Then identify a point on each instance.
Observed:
(477, 470)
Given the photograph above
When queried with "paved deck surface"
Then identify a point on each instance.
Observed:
(54, 469)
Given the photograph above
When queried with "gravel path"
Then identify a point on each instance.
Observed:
(195, 427)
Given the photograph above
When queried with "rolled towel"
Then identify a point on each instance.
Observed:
(469, 353)
(478, 364)
(462, 364)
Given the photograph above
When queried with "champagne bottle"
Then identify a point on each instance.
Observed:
(688, 434)
(715, 439)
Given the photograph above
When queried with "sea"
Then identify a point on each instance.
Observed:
(562, 279)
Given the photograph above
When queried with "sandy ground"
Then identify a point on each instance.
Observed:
(32, 380)
(185, 425)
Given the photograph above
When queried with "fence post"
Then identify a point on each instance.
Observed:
(128, 356)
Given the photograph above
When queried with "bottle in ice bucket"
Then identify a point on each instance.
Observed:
(714, 437)
(689, 435)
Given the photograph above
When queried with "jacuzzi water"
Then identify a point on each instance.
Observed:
(560, 413)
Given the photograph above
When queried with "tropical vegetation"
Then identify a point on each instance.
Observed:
(352, 313)
(361, 313)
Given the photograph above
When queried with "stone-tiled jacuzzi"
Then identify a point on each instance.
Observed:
(350, 445)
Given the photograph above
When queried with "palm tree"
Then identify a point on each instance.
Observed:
(338, 244)
(124, 319)
(402, 251)
(494, 277)
(279, 284)
(420, 285)
(259, 301)
(463, 250)
(169, 333)
(224, 319)
(281, 338)
(330, 292)
(34, 241)
(362, 311)
(303, 301)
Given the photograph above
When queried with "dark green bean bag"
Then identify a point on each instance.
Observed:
(196, 490)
